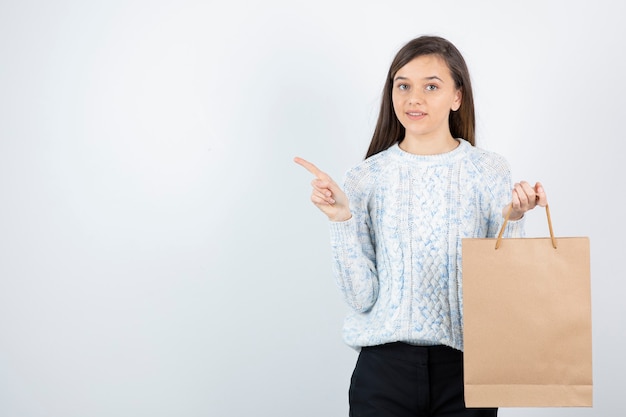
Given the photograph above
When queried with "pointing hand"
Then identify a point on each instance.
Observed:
(326, 194)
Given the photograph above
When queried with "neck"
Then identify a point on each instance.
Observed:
(424, 146)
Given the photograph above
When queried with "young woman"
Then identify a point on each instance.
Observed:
(396, 234)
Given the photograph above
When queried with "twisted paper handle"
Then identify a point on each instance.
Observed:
(506, 220)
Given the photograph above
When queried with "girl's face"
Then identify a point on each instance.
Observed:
(423, 95)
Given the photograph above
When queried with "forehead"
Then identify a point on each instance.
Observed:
(425, 66)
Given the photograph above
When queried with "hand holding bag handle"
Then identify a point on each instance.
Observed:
(506, 220)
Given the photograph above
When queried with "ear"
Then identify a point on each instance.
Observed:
(456, 104)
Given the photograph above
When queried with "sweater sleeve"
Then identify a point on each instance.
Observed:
(502, 189)
(353, 250)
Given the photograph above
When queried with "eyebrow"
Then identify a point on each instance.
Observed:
(432, 77)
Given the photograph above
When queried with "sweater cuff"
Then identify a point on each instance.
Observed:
(515, 228)
(342, 231)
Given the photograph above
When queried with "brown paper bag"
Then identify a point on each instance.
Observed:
(527, 321)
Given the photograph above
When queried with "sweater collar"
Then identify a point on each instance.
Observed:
(442, 158)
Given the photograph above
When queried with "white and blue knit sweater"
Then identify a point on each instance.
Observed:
(397, 261)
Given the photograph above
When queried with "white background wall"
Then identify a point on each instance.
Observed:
(159, 255)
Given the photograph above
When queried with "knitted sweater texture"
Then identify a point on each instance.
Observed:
(397, 261)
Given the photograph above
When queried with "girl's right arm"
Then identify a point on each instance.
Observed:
(354, 256)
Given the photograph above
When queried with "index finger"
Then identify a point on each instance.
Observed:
(308, 166)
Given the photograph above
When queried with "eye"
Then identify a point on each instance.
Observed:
(402, 87)
(431, 87)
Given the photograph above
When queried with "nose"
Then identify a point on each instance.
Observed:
(415, 98)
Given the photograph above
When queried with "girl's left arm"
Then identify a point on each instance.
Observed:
(521, 198)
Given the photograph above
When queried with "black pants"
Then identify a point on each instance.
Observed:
(401, 380)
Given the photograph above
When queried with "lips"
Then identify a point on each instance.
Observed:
(415, 115)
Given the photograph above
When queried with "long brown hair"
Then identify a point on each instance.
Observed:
(462, 122)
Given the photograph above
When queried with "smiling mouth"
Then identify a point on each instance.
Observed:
(415, 114)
